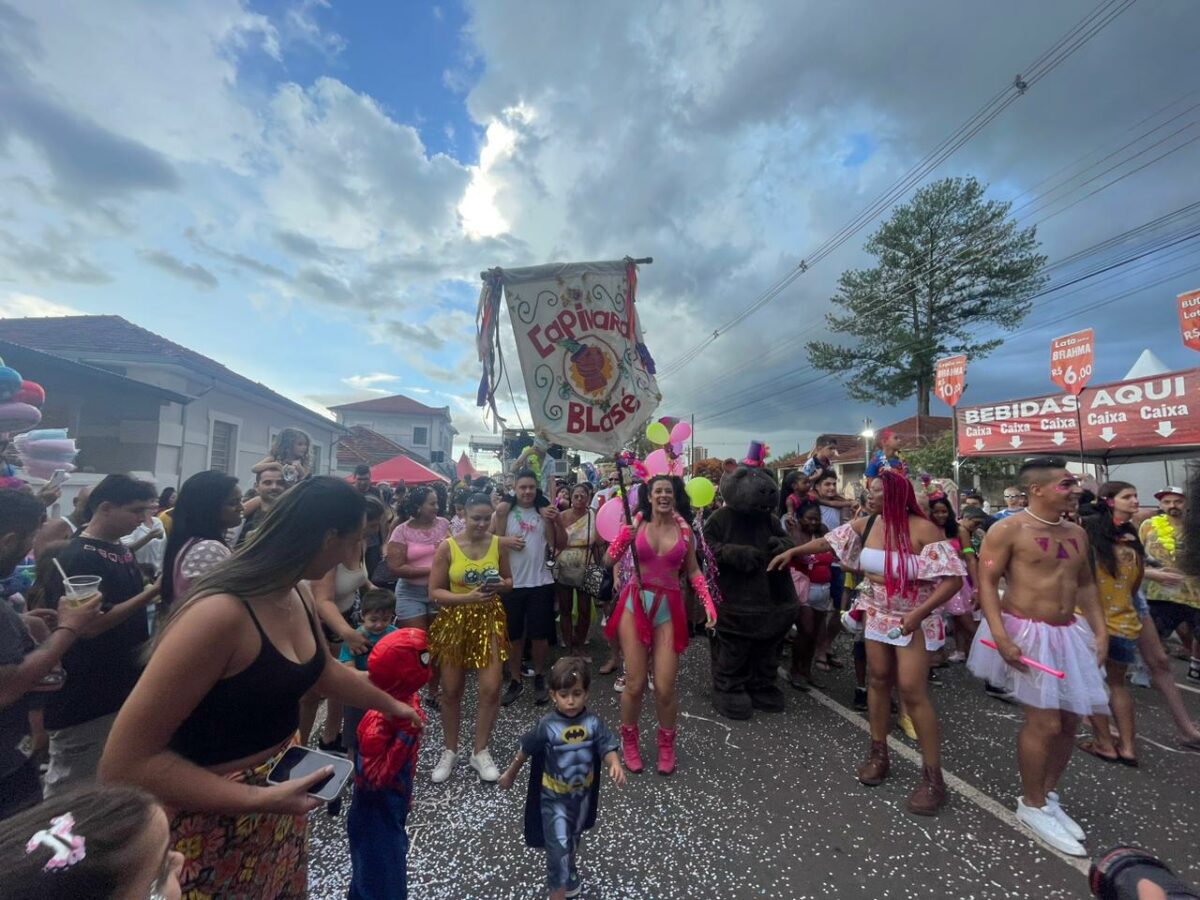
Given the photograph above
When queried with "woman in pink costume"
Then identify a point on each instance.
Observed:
(961, 607)
(650, 614)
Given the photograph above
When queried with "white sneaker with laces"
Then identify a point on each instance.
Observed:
(444, 767)
(482, 763)
(1046, 828)
(1070, 826)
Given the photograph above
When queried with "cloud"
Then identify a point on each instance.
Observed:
(238, 260)
(53, 256)
(173, 265)
(14, 305)
(369, 382)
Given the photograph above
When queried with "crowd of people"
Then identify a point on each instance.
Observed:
(140, 717)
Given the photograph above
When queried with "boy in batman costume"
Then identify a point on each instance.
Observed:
(565, 749)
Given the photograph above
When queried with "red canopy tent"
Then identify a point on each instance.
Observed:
(464, 469)
(402, 468)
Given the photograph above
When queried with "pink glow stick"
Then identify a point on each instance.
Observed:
(1029, 662)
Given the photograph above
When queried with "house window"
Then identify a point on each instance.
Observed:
(420, 436)
(315, 453)
(223, 455)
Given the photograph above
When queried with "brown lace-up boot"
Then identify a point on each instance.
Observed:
(875, 769)
(930, 795)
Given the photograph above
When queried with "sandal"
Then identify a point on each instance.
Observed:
(798, 683)
(1130, 761)
(833, 662)
(821, 665)
(1089, 747)
(1192, 744)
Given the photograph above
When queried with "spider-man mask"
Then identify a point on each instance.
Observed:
(399, 664)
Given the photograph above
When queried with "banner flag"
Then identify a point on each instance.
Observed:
(588, 374)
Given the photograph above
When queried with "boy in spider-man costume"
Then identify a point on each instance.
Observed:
(384, 764)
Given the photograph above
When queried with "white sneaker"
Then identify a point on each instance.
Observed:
(444, 767)
(482, 763)
(1070, 826)
(1046, 828)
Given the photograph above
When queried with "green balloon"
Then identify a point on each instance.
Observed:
(701, 491)
(656, 433)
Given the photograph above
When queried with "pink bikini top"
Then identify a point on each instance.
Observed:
(661, 571)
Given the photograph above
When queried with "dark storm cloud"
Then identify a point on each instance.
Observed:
(725, 141)
(194, 273)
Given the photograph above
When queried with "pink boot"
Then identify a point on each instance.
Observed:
(629, 748)
(666, 751)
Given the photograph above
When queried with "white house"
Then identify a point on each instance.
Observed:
(137, 402)
(425, 431)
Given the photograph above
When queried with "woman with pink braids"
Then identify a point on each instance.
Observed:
(911, 570)
(650, 614)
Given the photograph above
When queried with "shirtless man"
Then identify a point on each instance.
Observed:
(1050, 613)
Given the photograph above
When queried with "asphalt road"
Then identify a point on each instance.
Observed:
(771, 808)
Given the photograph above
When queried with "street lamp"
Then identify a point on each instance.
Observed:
(867, 434)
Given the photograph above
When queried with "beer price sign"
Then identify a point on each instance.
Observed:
(1189, 319)
(1072, 358)
(950, 377)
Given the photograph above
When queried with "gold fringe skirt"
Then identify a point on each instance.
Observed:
(467, 636)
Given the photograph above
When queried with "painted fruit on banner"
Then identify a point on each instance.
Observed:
(1072, 360)
(950, 378)
(1189, 319)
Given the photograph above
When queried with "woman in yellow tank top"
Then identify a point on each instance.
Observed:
(1118, 560)
(469, 573)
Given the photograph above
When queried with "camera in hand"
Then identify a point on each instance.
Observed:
(1130, 873)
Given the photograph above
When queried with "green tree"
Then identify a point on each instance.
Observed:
(937, 458)
(949, 264)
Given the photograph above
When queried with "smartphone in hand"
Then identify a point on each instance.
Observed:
(298, 762)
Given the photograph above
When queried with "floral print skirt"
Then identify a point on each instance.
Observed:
(261, 856)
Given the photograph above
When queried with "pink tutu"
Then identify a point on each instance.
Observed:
(961, 603)
(1070, 648)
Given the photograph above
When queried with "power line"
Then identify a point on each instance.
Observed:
(1076, 37)
(1070, 314)
(790, 341)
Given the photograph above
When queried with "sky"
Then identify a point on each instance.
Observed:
(307, 190)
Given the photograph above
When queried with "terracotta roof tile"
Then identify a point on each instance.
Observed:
(397, 404)
(930, 427)
(363, 445)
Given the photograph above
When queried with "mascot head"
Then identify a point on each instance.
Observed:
(399, 664)
(751, 487)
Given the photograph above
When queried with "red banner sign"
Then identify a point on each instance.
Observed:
(1071, 360)
(1189, 319)
(1020, 427)
(1145, 413)
(950, 377)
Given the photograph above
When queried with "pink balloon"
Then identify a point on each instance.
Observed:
(678, 466)
(609, 519)
(657, 463)
(681, 432)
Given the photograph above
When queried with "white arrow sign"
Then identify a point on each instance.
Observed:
(1016, 441)
(978, 443)
(1108, 435)
(1059, 438)
(1165, 429)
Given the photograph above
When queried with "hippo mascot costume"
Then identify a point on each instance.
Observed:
(758, 608)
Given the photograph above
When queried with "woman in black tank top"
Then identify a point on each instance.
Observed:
(219, 700)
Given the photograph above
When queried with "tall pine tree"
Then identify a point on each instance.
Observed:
(950, 263)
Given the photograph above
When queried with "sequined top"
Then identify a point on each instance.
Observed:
(1116, 595)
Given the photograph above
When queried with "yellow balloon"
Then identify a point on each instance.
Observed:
(701, 491)
(656, 433)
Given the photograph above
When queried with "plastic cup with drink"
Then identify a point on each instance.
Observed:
(80, 589)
